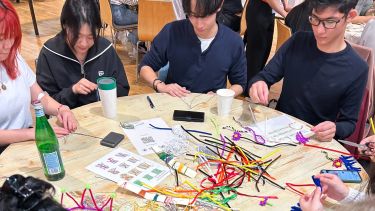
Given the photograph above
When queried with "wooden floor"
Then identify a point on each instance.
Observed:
(48, 19)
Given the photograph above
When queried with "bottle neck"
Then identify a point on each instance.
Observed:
(39, 112)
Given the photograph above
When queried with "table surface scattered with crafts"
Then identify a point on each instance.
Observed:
(244, 160)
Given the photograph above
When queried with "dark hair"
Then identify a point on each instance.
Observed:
(343, 6)
(203, 8)
(76, 13)
(20, 193)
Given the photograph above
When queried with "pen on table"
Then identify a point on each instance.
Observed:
(150, 102)
(177, 183)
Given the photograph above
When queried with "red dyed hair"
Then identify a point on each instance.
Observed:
(10, 28)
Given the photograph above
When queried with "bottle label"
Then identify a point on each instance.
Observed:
(52, 163)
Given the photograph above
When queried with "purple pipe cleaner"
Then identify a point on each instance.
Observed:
(263, 202)
(224, 144)
(236, 136)
(301, 139)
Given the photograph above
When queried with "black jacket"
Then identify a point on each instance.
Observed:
(58, 70)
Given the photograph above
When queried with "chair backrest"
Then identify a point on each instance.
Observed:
(243, 26)
(178, 10)
(283, 33)
(105, 12)
(153, 15)
(367, 105)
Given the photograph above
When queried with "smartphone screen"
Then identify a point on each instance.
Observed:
(112, 139)
(190, 116)
(345, 175)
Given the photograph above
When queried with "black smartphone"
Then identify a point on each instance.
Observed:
(112, 139)
(345, 175)
(188, 116)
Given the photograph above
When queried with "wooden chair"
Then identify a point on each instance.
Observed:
(153, 15)
(283, 33)
(106, 16)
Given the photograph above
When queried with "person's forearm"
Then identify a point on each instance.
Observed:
(275, 5)
(17, 135)
(50, 105)
(237, 89)
(148, 75)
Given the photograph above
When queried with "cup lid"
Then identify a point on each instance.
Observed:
(225, 92)
(106, 83)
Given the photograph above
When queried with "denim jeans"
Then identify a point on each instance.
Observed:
(163, 72)
(123, 16)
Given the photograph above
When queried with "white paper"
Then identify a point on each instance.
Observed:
(281, 129)
(144, 137)
(122, 165)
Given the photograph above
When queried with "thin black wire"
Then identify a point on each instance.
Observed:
(82, 134)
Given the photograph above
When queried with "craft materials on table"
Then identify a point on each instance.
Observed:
(280, 129)
(173, 163)
(122, 165)
(144, 137)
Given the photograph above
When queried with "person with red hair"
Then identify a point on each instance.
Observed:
(18, 87)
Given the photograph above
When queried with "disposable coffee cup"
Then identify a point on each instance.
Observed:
(224, 101)
(108, 96)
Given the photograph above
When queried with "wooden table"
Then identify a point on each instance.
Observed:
(296, 165)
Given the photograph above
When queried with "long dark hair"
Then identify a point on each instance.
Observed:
(20, 193)
(76, 13)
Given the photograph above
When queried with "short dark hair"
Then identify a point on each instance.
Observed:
(76, 13)
(343, 6)
(203, 8)
(20, 193)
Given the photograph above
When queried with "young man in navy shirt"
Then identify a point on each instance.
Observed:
(201, 53)
(324, 78)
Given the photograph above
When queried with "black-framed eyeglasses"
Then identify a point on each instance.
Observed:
(328, 24)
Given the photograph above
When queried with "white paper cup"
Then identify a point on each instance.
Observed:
(224, 101)
(108, 96)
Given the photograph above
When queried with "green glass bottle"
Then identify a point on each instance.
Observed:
(48, 146)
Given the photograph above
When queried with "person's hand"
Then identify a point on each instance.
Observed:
(174, 90)
(60, 132)
(84, 87)
(370, 142)
(211, 93)
(311, 202)
(259, 92)
(324, 131)
(67, 119)
(332, 186)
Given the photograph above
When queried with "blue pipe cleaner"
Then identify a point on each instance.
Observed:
(349, 161)
(316, 182)
(296, 208)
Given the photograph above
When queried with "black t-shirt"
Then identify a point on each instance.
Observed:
(298, 18)
(318, 86)
(232, 6)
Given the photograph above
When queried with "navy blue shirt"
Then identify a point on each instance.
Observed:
(318, 86)
(189, 67)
